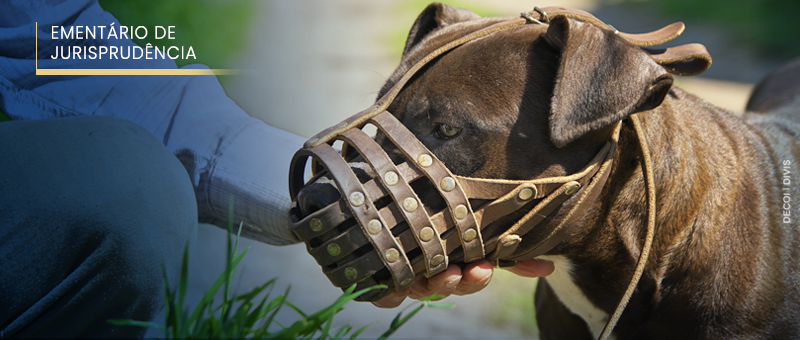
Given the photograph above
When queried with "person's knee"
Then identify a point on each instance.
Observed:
(106, 198)
(150, 203)
(102, 168)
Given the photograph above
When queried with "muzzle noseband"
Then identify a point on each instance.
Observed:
(380, 232)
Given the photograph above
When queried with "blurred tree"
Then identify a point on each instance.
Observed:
(216, 30)
(770, 25)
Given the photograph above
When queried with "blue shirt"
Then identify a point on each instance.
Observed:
(226, 152)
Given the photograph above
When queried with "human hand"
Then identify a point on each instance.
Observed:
(473, 278)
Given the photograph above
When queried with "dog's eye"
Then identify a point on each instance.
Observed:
(447, 131)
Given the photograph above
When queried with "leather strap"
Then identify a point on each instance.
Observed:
(654, 38)
(351, 188)
(324, 220)
(647, 172)
(540, 188)
(683, 60)
(456, 199)
(484, 188)
(588, 196)
(401, 191)
(509, 240)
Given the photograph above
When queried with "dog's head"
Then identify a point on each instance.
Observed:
(533, 101)
(527, 102)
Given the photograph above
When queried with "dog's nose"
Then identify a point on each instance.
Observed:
(316, 196)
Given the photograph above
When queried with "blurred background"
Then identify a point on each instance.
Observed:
(309, 64)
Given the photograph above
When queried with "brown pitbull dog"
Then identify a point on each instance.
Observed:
(541, 100)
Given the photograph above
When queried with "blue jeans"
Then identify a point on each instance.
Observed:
(92, 211)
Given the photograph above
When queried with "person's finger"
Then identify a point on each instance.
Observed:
(443, 283)
(533, 268)
(475, 277)
(392, 300)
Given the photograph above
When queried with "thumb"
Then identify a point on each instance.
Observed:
(533, 268)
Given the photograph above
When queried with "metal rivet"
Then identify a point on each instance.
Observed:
(315, 224)
(334, 249)
(525, 194)
(350, 273)
(448, 184)
(392, 255)
(410, 204)
(426, 234)
(425, 160)
(357, 199)
(571, 190)
(437, 260)
(407, 281)
(470, 235)
(390, 178)
(374, 227)
(460, 211)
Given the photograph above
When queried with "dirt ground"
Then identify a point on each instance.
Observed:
(314, 62)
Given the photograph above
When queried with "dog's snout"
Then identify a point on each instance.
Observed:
(316, 196)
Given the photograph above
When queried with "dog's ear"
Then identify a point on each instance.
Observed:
(601, 80)
(433, 17)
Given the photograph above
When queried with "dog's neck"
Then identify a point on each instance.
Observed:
(688, 231)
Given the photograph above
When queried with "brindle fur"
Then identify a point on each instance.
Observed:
(538, 101)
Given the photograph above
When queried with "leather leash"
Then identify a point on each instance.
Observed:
(647, 172)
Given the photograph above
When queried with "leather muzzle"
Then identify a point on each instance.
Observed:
(386, 235)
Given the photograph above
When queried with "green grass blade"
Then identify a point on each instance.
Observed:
(327, 329)
(348, 296)
(275, 304)
(171, 321)
(237, 316)
(441, 305)
(239, 320)
(315, 322)
(292, 306)
(228, 270)
(360, 330)
(208, 298)
(399, 321)
(428, 301)
(214, 326)
(252, 317)
(342, 332)
(272, 304)
(182, 283)
(434, 297)
(255, 291)
(261, 309)
(238, 235)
